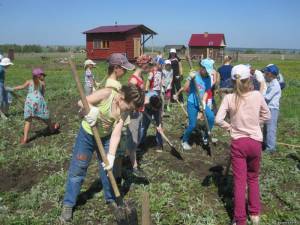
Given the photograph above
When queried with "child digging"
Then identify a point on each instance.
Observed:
(247, 110)
(108, 108)
(35, 104)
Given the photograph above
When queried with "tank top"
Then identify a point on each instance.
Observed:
(106, 121)
(140, 82)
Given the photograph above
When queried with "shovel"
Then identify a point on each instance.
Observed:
(173, 151)
(125, 212)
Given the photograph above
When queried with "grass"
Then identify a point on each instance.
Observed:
(33, 178)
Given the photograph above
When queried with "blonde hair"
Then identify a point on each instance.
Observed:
(240, 87)
(227, 58)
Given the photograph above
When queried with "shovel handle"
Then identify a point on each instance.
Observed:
(100, 150)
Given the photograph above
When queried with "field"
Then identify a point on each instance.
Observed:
(185, 193)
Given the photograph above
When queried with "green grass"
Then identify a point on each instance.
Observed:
(177, 195)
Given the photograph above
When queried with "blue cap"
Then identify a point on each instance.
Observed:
(271, 68)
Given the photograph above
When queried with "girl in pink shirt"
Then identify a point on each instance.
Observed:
(246, 110)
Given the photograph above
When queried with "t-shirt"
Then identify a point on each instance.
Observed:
(244, 121)
(175, 66)
(155, 78)
(225, 76)
(192, 96)
(2, 74)
(89, 78)
(167, 79)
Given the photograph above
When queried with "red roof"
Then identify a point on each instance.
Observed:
(211, 40)
(120, 29)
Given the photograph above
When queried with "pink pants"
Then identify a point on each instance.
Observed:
(245, 159)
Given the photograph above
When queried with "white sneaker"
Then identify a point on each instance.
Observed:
(186, 146)
(214, 140)
(254, 220)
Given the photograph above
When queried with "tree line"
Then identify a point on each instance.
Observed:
(35, 48)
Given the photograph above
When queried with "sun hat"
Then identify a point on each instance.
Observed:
(6, 62)
(118, 59)
(173, 50)
(37, 72)
(271, 68)
(89, 62)
(240, 71)
(208, 64)
(168, 62)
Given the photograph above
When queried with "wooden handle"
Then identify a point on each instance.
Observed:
(181, 106)
(146, 218)
(100, 150)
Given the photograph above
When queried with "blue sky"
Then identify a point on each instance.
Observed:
(256, 23)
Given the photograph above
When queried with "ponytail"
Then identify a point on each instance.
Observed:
(240, 87)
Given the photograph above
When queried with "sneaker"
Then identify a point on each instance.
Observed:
(186, 146)
(254, 220)
(205, 141)
(66, 214)
(214, 140)
(138, 173)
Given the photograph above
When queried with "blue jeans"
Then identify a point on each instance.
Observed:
(145, 125)
(82, 154)
(192, 111)
(270, 130)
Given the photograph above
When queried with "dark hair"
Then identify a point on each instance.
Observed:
(175, 55)
(133, 94)
(111, 68)
(155, 102)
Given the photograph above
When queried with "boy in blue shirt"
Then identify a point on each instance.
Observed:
(272, 97)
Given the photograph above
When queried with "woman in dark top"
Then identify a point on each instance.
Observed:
(177, 73)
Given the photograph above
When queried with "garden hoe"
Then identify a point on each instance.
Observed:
(202, 106)
(125, 213)
(173, 151)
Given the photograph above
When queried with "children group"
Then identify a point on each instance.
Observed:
(249, 102)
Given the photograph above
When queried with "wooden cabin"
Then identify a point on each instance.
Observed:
(204, 45)
(130, 40)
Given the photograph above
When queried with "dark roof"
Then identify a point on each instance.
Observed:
(212, 40)
(175, 46)
(120, 29)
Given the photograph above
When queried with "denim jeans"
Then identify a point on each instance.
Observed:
(145, 125)
(270, 130)
(82, 154)
(192, 111)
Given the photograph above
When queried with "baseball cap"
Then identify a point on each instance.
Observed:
(118, 59)
(240, 71)
(89, 62)
(271, 68)
(36, 72)
(144, 59)
(173, 50)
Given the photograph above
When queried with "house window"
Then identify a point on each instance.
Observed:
(101, 44)
(211, 43)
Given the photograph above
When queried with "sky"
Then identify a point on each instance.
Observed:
(245, 23)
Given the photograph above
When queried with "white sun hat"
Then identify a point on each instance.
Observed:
(168, 61)
(240, 71)
(173, 50)
(89, 62)
(6, 62)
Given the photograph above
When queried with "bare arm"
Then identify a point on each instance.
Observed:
(96, 97)
(184, 88)
(23, 86)
(115, 137)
